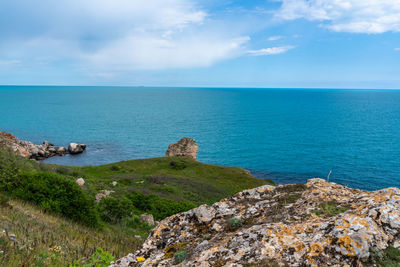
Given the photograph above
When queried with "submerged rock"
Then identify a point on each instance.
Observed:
(316, 224)
(186, 147)
(74, 148)
(28, 149)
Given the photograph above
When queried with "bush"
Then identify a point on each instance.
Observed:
(159, 207)
(177, 165)
(55, 193)
(114, 210)
(4, 201)
(235, 223)
(180, 256)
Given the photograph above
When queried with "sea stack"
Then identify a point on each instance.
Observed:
(186, 147)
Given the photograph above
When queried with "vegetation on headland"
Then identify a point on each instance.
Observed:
(56, 222)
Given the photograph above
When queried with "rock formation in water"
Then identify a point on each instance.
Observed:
(28, 149)
(316, 224)
(38, 152)
(186, 147)
(74, 148)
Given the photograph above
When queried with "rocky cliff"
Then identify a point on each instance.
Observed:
(316, 224)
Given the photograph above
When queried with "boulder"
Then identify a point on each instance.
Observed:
(103, 194)
(114, 183)
(75, 148)
(186, 147)
(80, 181)
(284, 225)
(147, 218)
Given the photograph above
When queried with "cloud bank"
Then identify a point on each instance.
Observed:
(118, 34)
(354, 16)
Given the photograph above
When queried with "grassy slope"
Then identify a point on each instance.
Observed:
(38, 233)
(192, 181)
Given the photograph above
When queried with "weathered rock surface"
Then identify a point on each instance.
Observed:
(74, 148)
(186, 147)
(278, 225)
(28, 149)
(147, 218)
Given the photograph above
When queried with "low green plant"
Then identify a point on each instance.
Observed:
(389, 257)
(4, 199)
(114, 210)
(180, 256)
(235, 223)
(100, 258)
(329, 209)
(177, 165)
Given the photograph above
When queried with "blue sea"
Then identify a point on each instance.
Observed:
(288, 135)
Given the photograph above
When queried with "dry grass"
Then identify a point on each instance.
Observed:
(45, 240)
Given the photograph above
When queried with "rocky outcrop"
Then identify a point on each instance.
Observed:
(28, 149)
(186, 147)
(316, 224)
(74, 148)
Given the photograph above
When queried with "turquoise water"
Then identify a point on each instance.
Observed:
(286, 135)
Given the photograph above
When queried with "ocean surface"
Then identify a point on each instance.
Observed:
(288, 135)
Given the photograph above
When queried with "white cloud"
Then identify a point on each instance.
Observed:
(118, 34)
(354, 16)
(9, 62)
(270, 51)
(275, 38)
(397, 49)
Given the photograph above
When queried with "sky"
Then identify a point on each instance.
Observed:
(201, 43)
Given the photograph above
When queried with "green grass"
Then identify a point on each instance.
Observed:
(389, 257)
(329, 209)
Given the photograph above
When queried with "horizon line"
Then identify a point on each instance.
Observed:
(204, 87)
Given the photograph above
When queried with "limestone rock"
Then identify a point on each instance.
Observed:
(80, 181)
(147, 218)
(75, 148)
(186, 147)
(114, 183)
(281, 226)
(28, 149)
(102, 194)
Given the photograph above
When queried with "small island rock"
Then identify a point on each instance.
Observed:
(186, 147)
(75, 148)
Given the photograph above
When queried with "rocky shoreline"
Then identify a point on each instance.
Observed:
(30, 150)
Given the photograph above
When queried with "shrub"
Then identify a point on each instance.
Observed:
(57, 194)
(114, 210)
(235, 223)
(180, 256)
(177, 165)
(114, 168)
(4, 201)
